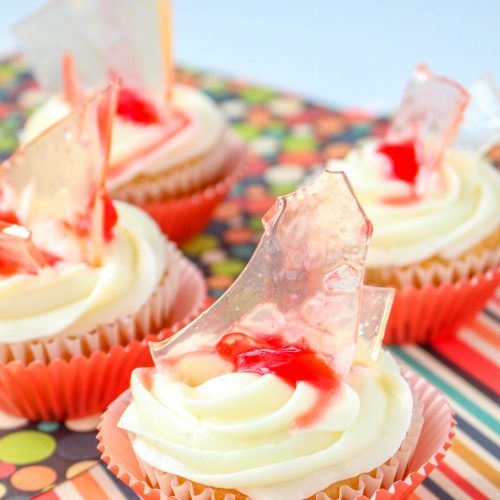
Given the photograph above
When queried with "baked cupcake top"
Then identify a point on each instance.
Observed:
(159, 126)
(426, 186)
(280, 389)
(69, 258)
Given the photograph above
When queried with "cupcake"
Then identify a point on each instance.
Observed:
(281, 389)
(172, 152)
(434, 201)
(83, 279)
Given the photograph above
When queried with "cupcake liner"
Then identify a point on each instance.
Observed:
(422, 450)
(431, 312)
(183, 179)
(462, 268)
(180, 218)
(84, 385)
(153, 315)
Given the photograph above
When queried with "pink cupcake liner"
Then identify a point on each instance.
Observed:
(183, 217)
(393, 480)
(432, 312)
(84, 385)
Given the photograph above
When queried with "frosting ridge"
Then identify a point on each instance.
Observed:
(449, 211)
(73, 297)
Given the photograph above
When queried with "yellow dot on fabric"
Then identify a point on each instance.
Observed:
(26, 447)
(33, 478)
(3, 490)
(79, 467)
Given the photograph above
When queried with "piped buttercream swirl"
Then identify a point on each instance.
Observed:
(447, 212)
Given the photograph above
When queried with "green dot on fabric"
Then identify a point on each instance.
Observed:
(256, 95)
(230, 267)
(243, 251)
(48, 426)
(216, 293)
(26, 447)
(7, 142)
(256, 224)
(297, 143)
(200, 244)
(246, 131)
(285, 188)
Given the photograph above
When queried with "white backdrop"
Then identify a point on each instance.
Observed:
(350, 53)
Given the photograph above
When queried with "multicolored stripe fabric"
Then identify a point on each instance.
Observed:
(288, 137)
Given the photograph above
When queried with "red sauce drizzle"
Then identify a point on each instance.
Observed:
(403, 158)
(131, 106)
(291, 362)
(110, 216)
(8, 217)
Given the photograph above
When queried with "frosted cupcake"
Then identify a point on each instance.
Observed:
(280, 390)
(79, 274)
(434, 201)
(172, 152)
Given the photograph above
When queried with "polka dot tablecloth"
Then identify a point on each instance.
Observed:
(289, 139)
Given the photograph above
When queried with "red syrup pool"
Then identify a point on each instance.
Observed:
(292, 363)
(403, 157)
(131, 106)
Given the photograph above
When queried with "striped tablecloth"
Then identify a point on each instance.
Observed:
(288, 137)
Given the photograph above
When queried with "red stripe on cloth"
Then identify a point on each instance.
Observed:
(461, 482)
(471, 361)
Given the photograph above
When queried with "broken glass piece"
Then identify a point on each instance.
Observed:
(429, 116)
(59, 177)
(303, 285)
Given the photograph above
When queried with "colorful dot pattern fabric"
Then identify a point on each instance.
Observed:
(289, 139)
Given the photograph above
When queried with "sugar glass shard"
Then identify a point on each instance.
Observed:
(17, 252)
(122, 36)
(376, 305)
(480, 129)
(429, 115)
(59, 177)
(288, 288)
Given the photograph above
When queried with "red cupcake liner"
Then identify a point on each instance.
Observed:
(182, 218)
(431, 312)
(85, 385)
(435, 439)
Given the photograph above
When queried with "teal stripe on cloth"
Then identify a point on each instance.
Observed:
(450, 391)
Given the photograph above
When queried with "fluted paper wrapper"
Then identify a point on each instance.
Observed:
(182, 203)
(81, 384)
(424, 447)
(432, 302)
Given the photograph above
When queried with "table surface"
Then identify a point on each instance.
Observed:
(289, 138)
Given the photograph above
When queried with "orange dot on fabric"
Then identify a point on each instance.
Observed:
(33, 478)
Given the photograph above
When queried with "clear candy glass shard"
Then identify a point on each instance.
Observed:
(17, 252)
(57, 180)
(120, 36)
(480, 129)
(303, 282)
(429, 115)
(376, 305)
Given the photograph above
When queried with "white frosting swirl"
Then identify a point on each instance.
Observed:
(72, 298)
(236, 430)
(456, 208)
(205, 131)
